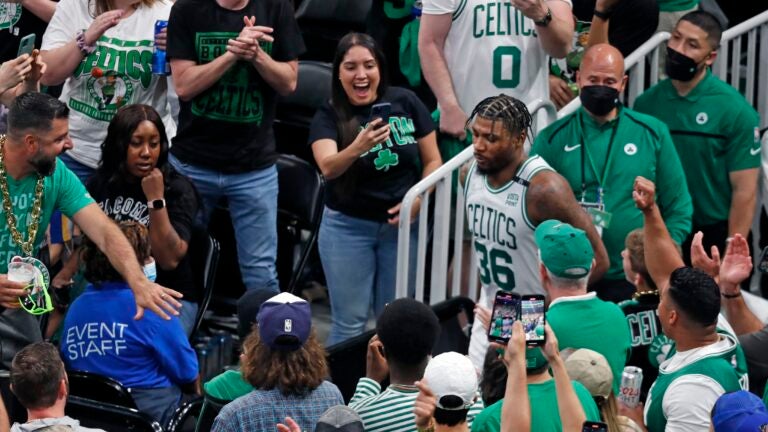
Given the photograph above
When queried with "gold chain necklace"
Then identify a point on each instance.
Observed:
(18, 238)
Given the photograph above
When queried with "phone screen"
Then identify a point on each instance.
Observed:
(26, 44)
(533, 319)
(505, 312)
(594, 427)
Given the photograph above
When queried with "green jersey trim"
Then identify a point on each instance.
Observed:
(467, 180)
(459, 10)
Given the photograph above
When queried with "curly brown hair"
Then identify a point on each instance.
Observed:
(293, 372)
(98, 269)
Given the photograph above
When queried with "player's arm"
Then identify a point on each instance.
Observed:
(557, 37)
(432, 34)
(743, 200)
(191, 79)
(660, 252)
(550, 197)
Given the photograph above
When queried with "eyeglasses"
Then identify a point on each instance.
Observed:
(37, 301)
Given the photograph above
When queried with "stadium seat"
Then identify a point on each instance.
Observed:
(99, 388)
(210, 409)
(204, 253)
(185, 417)
(111, 417)
(324, 22)
(299, 208)
(294, 112)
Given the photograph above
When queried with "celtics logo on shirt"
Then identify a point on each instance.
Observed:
(10, 13)
(110, 90)
(401, 134)
(661, 349)
(236, 96)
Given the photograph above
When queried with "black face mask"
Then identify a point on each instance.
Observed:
(599, 99)
(679, 66)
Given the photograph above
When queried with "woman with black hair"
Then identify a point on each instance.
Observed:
(370, 164)
(134, 181)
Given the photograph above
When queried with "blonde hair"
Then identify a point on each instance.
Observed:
(98, 7)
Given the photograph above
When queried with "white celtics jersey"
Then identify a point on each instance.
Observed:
(503, 243)
(490, 49)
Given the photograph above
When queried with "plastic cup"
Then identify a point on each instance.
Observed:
(21, 272)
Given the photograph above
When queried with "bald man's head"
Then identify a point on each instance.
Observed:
(602, 70)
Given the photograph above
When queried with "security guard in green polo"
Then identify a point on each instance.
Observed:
(601, 149)
(714, 130)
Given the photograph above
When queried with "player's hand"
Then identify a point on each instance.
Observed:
(153, 185)
(644, 194)
(14, 71)
(101, 24)
(736, 266)
(453, 121)
(559, 92)
(376, 132)
(10, 293)
(290, 426)
(699, 258)
(533, 9)
(483, 314)
(376, 367)
(424, 405)
(156, 298)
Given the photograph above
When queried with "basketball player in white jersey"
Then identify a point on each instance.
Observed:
(507, 196)
(472, 49)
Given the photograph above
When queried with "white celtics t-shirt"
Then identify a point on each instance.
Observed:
(117, 73)
(490, 49)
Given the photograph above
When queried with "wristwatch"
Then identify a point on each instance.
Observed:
(156, 204)
(546, 20)
(603, 15)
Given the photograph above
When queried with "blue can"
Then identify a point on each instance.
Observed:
(159, 61)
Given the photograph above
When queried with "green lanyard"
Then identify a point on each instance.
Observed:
(601, 179)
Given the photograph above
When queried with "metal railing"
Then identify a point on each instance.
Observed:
(441, 182)
(643, 67)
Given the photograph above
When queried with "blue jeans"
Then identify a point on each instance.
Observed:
(83, 172)
(359, 258)
(252, 198)
(159, 403)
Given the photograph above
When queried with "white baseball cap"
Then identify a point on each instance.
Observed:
(452, 374)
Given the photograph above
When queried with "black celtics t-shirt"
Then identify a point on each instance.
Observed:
(127, 202)
(228, 127)
(386, 172)
(650, 347)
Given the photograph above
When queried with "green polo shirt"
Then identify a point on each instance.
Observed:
(677, 5)
(577, 148)
(715, 132)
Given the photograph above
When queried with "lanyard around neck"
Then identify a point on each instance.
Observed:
(601, 178)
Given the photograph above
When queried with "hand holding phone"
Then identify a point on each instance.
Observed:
(382, 111)
(533, 319)
(26, 44)
(594, 427)
(505, 312)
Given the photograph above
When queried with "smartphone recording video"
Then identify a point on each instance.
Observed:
(594, 427)
(533, 319)
(505, 312)
(382, 111)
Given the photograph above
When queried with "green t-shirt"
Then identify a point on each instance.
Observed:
(641, 146)
(715, 132)
(62, 190)
(585, 321)
(545, 416)
(677, 5)
(228, 386)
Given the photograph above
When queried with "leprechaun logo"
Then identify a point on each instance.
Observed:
(109, 89)
(10, 13)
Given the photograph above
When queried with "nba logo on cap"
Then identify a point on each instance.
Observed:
(288, 325)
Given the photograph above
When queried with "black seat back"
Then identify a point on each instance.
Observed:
(299, 207)
(184, 419)
(99, 388)
(324, 22)
(208, 412)
(110, 417)
(204, 251)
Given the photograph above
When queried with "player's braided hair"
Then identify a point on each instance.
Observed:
(512, 112)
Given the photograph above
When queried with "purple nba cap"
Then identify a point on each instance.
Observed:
(284, 322)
